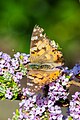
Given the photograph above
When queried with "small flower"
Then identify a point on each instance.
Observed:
(40, 110)
(55, 113)
(6, 57)
(56, 90)
(2, 63)
(17, 55)
(19, 75)
(76, 69)
(15, 63)
(11, 70)
(8, 94)
(15, 79)
(7, 65)
(26, 92)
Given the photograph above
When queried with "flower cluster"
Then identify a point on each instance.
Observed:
(74, 108)
(57, 89)
(41, 107)
(74, 72)
(76, 69)
(37, 108)
(11, 72)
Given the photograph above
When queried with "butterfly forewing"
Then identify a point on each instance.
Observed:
(43, 50)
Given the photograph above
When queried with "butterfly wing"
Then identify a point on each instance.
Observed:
(44, 58)
(43, 50)
(39, 78)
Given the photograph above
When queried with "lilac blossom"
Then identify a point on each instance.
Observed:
(74, 108)
(17, 55)
(55, 113)
(26, 92)
(6, 57)
(8, 94)
(76, 69)
(41, 107)
(35, 107)
(23, 58)
(15, 79)
(12, 71)
(57, 90)
(15, 63)
(19, 75)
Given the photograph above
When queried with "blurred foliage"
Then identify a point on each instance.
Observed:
(59, 18)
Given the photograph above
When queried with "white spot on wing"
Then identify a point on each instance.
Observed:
(32, 49)
(36, 86)
(34, 30)
(30, 84)
(41, 35)
(30, 77)
(34, 38)
(53, 43)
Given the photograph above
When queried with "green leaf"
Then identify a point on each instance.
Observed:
(1, 77)
(17, 112)
(70, 118)
(68, 77)
(2, 89)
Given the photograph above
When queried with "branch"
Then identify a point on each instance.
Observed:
(73, 83)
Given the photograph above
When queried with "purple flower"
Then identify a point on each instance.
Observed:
(26, 59)
(76, 95)
(76, 69)
(6, 57)
(50, 103)
(74, 108)
(26, 92)
(2, 63)
(11, 69)
(7, 65)
(8, 94)
(55, 113)
(17, 55)
(15, 63)
(40, 110)
(19, 75)
(22, 57)
(15, 79)
(40, 102)
(56, 91)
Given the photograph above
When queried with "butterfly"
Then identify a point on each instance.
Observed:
(45, 57)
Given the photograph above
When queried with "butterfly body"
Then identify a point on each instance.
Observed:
(44, 60)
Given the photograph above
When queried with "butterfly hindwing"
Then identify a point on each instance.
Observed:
(39, 78)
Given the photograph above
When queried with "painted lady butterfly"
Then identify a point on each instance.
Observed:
(45, 57)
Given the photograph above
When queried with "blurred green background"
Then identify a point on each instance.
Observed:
(59, 18)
